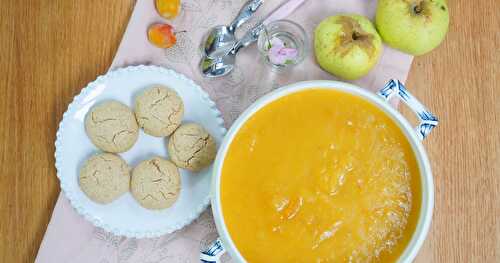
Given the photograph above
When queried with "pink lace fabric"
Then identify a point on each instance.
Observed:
(70, 238)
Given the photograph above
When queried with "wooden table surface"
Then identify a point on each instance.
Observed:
(50, 49)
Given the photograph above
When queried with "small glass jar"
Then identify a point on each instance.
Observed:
(283, 44)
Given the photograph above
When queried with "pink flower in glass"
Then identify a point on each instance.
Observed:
(279, 54)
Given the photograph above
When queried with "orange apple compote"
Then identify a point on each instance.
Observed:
(320, 176)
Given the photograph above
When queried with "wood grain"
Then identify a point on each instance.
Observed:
(50, 49)
(460, 82)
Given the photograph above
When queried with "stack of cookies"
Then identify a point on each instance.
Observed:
(114, 128)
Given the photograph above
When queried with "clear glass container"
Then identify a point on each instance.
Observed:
(290, 44)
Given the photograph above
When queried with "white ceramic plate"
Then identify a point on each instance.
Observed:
(125, 216)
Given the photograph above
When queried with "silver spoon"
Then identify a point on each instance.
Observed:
(221, 38)
(223, 64)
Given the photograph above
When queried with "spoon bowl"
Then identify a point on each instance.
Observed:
(217, 67)
(221, 65)
(220, 39)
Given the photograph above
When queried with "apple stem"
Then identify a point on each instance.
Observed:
(417, 8)
(355, 35)
(182, 31)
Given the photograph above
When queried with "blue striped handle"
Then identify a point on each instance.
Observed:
(427, 120)
(213, 253)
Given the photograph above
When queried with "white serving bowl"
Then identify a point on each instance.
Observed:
(393, 88)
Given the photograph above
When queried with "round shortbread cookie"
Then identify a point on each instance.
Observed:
(159, 111)
(155, 183)
(111, 126)
(104, 177)
(192, 147)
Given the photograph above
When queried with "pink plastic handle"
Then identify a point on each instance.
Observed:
(283, 11)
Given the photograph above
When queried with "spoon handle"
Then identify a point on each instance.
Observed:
(245, 13)
(283, 11)
(251, 36)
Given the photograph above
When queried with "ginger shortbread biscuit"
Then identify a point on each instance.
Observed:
(111, 126)
(155, 183)
(159, 111)
(191, 147)
(104, 177)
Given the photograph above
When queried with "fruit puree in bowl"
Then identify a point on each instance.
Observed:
(320, 175)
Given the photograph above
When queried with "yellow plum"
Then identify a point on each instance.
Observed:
(168, 9)
(162, 35)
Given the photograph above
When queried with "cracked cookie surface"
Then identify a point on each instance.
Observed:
(112, 127)
(192, 147)
(155, 183)
(104, 177)
(159, 111)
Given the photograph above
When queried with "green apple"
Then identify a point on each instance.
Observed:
(412, 26)
(347, 45)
